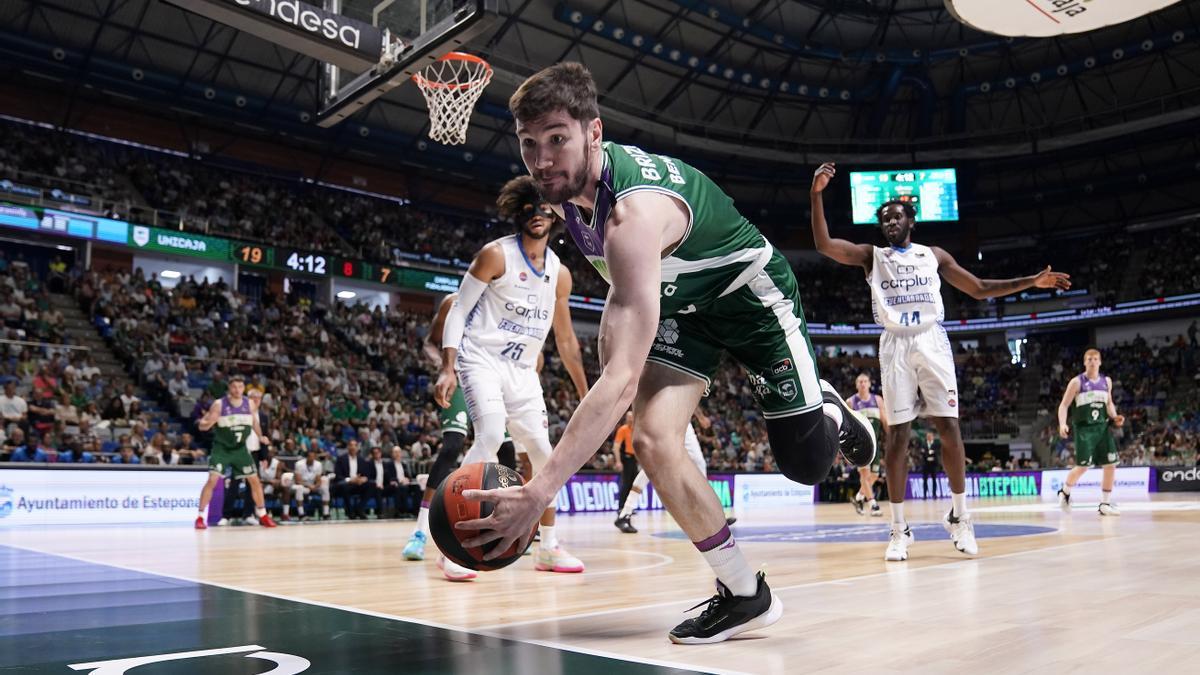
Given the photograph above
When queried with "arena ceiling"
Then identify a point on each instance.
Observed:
(779, 82)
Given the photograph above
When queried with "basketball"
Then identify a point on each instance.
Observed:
(449, 507)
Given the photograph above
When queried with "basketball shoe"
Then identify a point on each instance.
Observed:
(415, 548)
(266, 521)
(1108, 510)
(557, 560)
(200, 524)
(727, 615)
(624, 525)
(453, 571)
(858, 502)
(855, 436)
(1064, 501)
(962, 532)
(898, 543)
(876, 512)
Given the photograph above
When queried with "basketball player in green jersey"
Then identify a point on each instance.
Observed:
(690, 278)
(1089, 399)
(872, 407)
(235, 418)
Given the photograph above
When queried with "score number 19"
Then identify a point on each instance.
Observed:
(251, 254)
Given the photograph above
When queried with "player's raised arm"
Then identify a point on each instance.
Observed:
(487, 266)
(1064, 406)
(979, 289)
(564, 334)
(841, 250)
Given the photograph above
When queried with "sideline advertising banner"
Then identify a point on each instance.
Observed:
(600, 492)
(770, 490)
(99, 496)
(992, 484)
(1131, 481)
(1178, 478)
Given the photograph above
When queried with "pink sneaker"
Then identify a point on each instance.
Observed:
(453, 571)
(557, 560)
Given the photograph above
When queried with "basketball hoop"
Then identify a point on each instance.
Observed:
(451, 86)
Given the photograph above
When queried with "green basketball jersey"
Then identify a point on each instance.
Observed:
(720, 251)
(233, 427)
(1091, 403)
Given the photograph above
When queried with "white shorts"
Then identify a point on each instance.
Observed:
(493, 386)
(918, 375)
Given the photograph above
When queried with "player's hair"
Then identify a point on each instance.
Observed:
(1093, 350)
(237, 378)
(909, 209)
(515, 196)
(566, 86)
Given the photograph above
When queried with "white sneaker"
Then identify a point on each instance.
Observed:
(222, 522)
(1109, 510)
(1064, 501)
(453, 571)
(962, 532)
(557, 560)
(901, 538)
(876, 512)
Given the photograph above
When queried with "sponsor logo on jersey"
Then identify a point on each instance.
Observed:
(905, 284)
(528, 312)
(782, 366)
(668, 331)
(523, 276)
(788, 390)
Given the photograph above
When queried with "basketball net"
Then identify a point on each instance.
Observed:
(451, 86)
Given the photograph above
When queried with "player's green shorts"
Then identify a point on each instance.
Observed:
(239, 462)
(761, 325)
(455, 417)
(877, 463)
(1094, 445)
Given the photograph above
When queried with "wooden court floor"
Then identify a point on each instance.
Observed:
(1049, 592)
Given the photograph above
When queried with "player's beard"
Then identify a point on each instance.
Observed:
(901, 235)
(574, 185)
(528, 232)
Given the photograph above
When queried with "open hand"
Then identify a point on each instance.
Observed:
(447, 382)
(1049, 279)
(513, 517)
(823, 175)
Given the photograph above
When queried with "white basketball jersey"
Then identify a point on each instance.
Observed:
(516, 311)
(906, 290)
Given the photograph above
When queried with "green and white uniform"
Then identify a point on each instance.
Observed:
(454, 419)
(1094, 444)
(229, 451)
(724, 288)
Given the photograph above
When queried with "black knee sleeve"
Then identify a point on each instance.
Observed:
(446, 460)
(805, 446)
(507, 455)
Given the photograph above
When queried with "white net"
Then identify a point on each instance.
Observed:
(451, 86)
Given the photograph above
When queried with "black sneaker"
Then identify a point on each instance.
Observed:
(728, 615)
(855, 437)
(625, 526)
(858, 505)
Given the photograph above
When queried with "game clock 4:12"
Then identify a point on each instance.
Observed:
(304, 261)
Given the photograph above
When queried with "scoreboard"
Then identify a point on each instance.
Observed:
(933, 192)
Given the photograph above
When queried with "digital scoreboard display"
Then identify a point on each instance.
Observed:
(933, 192)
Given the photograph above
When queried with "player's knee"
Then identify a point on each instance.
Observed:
(805, 446)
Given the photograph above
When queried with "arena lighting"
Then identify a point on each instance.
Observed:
(346, 295)
(63, 247)
(170, 274)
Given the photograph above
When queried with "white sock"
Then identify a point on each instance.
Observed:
(834, 412)
(259, 511)
(874, 503)
(898, 513)
(204, 512)
(422, 520)
(958, 504)
(860, 497)
(630, 504)
(722, 554)
(549, 538)
(299, 509)
(325, 508)
(288, 507)
(1066, 488)
(1107, 499)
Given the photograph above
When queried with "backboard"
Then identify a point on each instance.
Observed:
(416, 33)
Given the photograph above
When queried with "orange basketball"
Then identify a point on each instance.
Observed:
(449, 507)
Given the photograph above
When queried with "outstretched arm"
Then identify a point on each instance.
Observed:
(979, 289)
(841, 250)
(564, 334)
